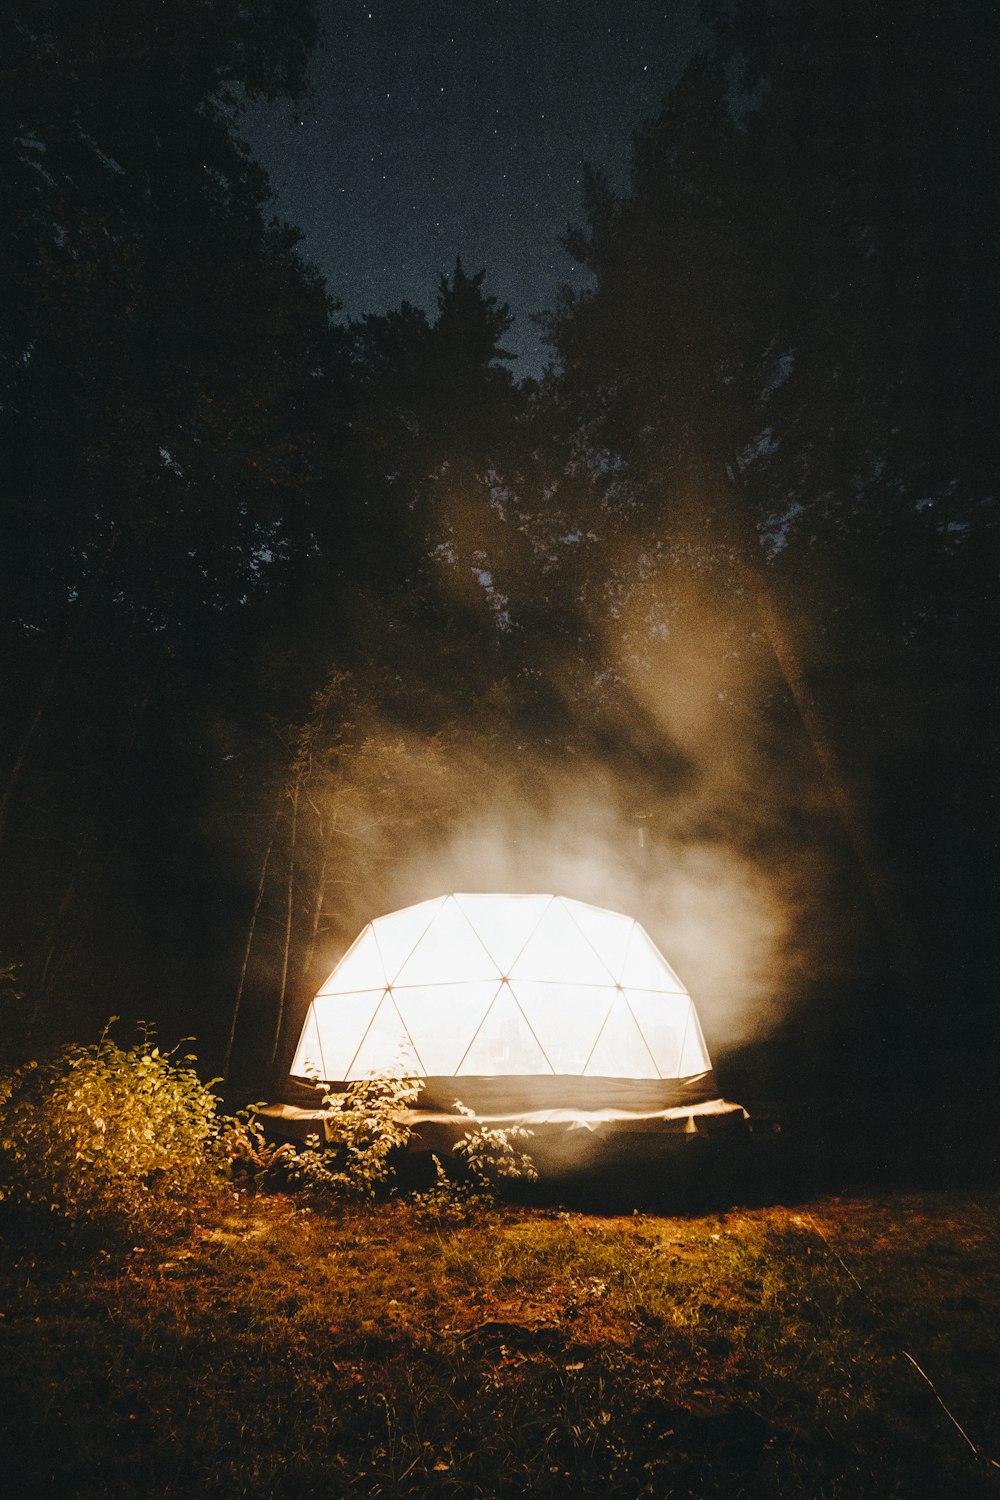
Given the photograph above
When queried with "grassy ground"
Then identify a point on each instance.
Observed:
(403, 1351)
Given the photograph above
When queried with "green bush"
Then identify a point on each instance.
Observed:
(365, 1129)
(8, 982)
(492, 1155)
(109, 1139)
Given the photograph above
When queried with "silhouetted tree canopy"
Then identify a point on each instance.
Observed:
(289, 603)
(782, 372)
(161, 345)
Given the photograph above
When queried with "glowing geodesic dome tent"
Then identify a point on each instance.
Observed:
(542, 995)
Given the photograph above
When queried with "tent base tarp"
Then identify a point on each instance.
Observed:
(572, 1140)
(575, 1124)
(530, 1093)
(559, 1137)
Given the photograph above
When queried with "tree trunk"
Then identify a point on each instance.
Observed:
(227, 1054)
(326, 832)
(52, 937)
(73, 884)
(319, 901)
(289, 905)
(814, 723)
(52, 678)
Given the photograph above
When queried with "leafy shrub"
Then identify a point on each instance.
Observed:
(8, 982)
(108, 1139)
(493, 1155)
(11, 1012)
(448, 1201)
(365, 1127)
(246, 1156)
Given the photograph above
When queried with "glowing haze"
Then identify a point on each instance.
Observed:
(717, 917)
(658, 712)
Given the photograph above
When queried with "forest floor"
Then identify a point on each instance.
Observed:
(421, 1349)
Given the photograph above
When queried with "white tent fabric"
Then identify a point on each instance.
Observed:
(487, 985)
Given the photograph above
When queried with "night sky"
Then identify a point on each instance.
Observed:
(460, 127)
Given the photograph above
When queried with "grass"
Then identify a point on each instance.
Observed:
(401, 1351)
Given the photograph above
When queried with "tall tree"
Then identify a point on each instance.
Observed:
(162, 348)
(435, 399)
(782, 374)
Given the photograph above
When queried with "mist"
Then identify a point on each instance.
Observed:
(722, 863)
(604, 721)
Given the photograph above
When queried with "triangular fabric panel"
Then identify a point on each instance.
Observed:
(449, 949)
(556, 951)
(342, 1021)
(399, 933)
(309, 1053)
(694, 1057)
(387, 1048)
(361, 968)
(663, 1021)
(443, 1019)
(646, 968)
(504, 1042)
(504, 923)
(607, 932)
(620, 1051)
(566, 1019)
(492, 983)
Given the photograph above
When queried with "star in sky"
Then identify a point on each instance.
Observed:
(450, 128)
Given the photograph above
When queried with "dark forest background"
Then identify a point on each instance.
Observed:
(302, 619)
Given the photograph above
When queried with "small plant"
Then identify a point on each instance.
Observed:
(365, 1126)
(450, 1201)
(8, 982)
(107, 1138)
(492, 1155)
(245, 1156)
(10, 1008)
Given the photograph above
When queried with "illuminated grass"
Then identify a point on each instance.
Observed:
(385, 1352)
